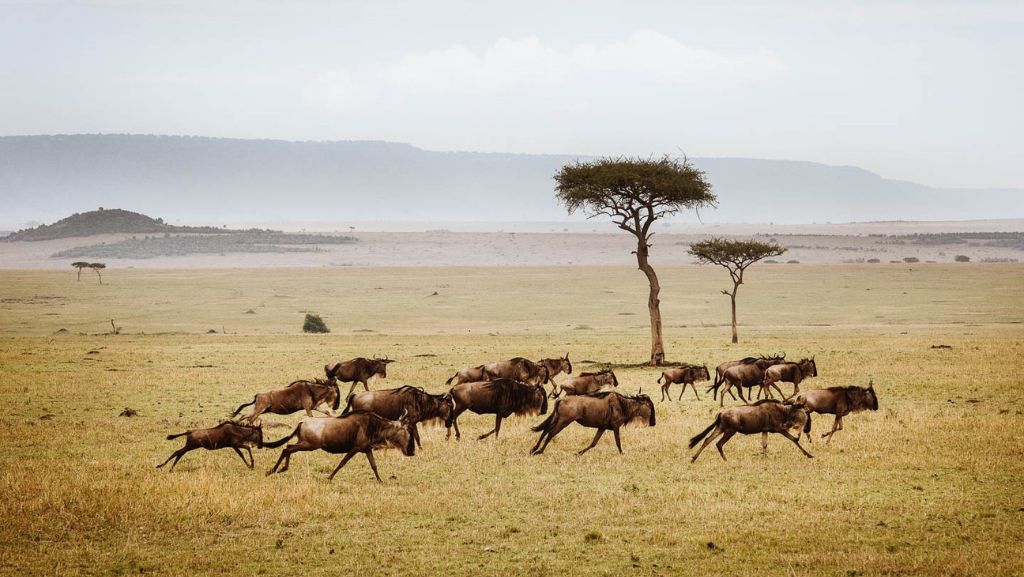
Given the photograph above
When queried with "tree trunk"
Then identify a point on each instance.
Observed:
(79, 275)
(653, 304)
(732, 297)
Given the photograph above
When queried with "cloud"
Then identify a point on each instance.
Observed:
(526, 67)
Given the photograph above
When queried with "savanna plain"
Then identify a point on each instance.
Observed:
(930, 484)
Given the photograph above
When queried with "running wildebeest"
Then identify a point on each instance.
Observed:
(467, 375)
(788, 373)
(838, 401)
(749, 374)
(588, 383)
(356, 432)
(500, 397)
(607, 411)
(227, 434)
(518, 369)
(555, 367)
(764, 416)
(298, 396)
(419, 405)
(687, 375)
(720, 371)
(358, 370)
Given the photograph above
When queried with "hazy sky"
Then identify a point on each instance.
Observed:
(924, 91)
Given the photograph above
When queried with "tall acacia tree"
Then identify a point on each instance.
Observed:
(80, 265)
(97, 267)
(735, 256)
(634, 193)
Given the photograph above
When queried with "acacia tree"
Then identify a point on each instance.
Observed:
(97, 267)
(79, 265)
(735, 256)
(634, 193)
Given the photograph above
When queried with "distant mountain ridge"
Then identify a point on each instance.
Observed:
(110, 221)
(219, 180)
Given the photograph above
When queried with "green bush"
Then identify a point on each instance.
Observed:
(962, 258)
(314, 324)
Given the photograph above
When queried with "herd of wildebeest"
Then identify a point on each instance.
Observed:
(376, 419)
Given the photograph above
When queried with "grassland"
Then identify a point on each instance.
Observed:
(931, 484)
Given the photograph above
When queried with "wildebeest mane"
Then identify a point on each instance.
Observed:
(604, 372)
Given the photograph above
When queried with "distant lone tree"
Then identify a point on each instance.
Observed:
(80, 265)
(635, 193)
(97, 267)
(314, 324)
(735, 256)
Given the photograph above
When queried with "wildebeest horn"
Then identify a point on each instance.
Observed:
(639, 391)
(405, 413)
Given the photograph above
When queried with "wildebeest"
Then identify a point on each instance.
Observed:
(556, 366)
(358, 370)
(467, 375)
(764, 416)
(607, 411)
(227, 434)
(500, 397)
(300, 395)
(748, 374)
(788, 373)
(588, 383)
(419, 405)
(518, 369)
(687, 375)
(838, 401)
(720, 371)
(356, 432)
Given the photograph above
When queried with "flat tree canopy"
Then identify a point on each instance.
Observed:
(634, 193)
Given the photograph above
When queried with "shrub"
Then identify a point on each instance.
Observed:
(792, 262)
(962, 258)
(314, 324)
(911, 259)
(874, 260)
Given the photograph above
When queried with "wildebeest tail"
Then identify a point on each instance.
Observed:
(661, 377)
(169, 437)
(449, 381)
(348, 405)
(279, 442)
(242, 406)
(698, 438)
(547, 422)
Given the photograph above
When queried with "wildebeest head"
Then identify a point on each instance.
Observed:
(399, 434)
(644, 408)
(250, 433)
(703, 370)
(435, 406)
(380, 367)
(808, 367)
(871, 397)
(566, 364)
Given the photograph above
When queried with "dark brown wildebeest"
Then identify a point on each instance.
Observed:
(838, 401)
(588, 383)
(555, 367)
(764, 416)
(298, 396)
(358, 370)
(356, 432)
(227, 434)
(748, 375)
(787, 373)
(467, 375)
(720, 371)
(419, 405)
(500, 397)
(687, 375)
(607, 411)
(518, 369)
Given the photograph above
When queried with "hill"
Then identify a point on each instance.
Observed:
(113, 221)
(190, 179)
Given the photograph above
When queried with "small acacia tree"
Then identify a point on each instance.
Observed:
(97, 267)
(635, 193)
(80, 265)
(735, 256)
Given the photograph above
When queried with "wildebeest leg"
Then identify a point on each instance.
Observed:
(593, 443)
(350, 389)
(373, 465)
(366, 387)
(416, 435)
(252, 462)
(618, 441)
(555, 428)
(497, 427)
(764, 443)
(664, 389)
(344, 460)
(721, 443)
(175, 455)
(455, 423)
(836, 425)
(707, 441)
(241, 456)
(778, 389)
(728, 389)
(795, 442)
(286, 455)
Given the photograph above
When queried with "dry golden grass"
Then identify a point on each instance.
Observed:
(931, 484)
